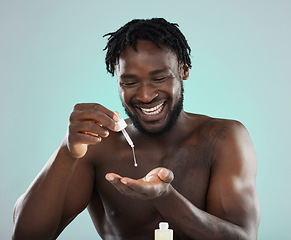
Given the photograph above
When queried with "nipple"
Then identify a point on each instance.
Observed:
(122, 125)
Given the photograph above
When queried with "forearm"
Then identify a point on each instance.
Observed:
(39, 210)
(189, 222)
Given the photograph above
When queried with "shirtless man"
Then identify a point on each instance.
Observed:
(195, 172)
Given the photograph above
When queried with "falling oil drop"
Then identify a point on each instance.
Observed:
(134, 158)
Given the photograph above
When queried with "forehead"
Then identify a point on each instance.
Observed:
(147, 57)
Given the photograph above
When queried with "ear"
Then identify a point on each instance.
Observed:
(184, 71)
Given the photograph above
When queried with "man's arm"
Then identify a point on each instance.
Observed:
(64, 186)
(232, 207)
(232, 192)
(50, 202)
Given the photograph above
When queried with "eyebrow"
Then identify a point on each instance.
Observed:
(159, 71)
(151, 73)
(127, 76)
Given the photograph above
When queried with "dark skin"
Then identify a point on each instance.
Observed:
(199, 176)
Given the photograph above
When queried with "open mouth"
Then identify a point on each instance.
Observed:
(153, 111)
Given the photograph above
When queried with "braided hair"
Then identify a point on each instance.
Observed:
(157, 30)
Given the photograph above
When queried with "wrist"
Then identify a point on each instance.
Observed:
(65, 149)
(164, 196)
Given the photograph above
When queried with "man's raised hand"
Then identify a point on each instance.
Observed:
(89, 123)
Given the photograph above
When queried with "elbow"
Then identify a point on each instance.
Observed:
(18, 234)
(26, 230)
(31, 227)
(247, 234)
(22, 234)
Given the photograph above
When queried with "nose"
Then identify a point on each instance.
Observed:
(146, 93)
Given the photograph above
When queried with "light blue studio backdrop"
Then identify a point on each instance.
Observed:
(51, 58)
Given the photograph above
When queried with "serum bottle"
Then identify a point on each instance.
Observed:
(163, 233)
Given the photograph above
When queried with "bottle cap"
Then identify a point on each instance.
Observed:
(164, 225)
(121, 124)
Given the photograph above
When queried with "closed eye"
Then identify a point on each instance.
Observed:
(128, 84)
(160, 79)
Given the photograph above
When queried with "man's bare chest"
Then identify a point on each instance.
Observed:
(189, 163)
(191, 168)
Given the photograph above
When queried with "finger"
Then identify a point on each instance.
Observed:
(132, 183)
(92, 115)
(121, 185)
(153, 175)
(95, 106)
(117, 113)
(89, 127)
(145, 190)
(135, 188)
(95, 112)
(116, 179)
(83, 138)
(166, 175)
(92, 134)
(112, 177)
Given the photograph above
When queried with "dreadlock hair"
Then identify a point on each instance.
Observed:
(157, 30)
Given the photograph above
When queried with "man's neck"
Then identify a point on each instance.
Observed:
(174, 135)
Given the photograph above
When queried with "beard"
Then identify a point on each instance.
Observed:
(175, 113)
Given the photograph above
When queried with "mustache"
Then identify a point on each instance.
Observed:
(155, 99)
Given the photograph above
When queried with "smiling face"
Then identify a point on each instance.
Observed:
(150, 86)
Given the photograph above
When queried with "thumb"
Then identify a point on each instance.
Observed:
(117, 114)
(166, 175)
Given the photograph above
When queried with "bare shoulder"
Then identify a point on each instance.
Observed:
(232, 140)
(224, 135)
(215, 125)
(218, 133)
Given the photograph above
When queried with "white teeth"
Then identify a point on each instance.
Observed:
(153, 111)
